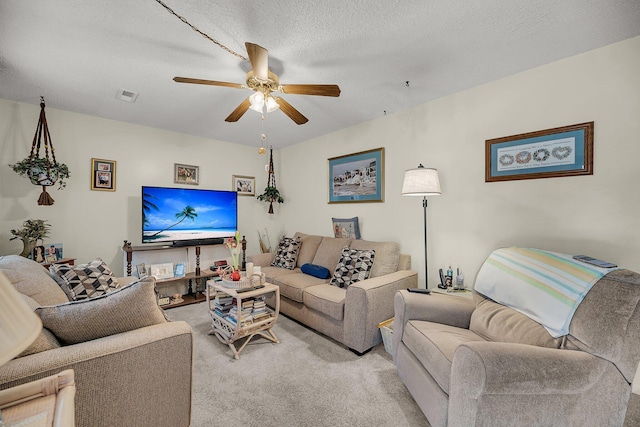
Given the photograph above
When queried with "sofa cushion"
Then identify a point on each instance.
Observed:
(316, 271)
(326, 299)
(45, 340)
(127, 308)
(496, 322)
(293, 285)
(329, 252)
(308, 247)
(31, 279)
(354, 266)
(434, 345)
(85, 280)
(387, 256)
(287, 253)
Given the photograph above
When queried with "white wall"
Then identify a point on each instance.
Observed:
(597, 215)
(95, 223)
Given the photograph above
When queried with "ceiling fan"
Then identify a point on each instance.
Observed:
(263, 82)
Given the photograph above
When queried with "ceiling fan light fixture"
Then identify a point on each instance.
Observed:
(257, 101)
(272, 105)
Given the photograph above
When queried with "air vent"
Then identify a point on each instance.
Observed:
(127, 95)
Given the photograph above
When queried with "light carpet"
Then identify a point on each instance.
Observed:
(307, 380)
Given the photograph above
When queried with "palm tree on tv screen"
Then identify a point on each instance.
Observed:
(147, 205)
(187, 212)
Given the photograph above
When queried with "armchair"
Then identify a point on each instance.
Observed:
(478, 362)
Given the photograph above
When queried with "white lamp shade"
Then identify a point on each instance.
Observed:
(421, 182)
(19, 325)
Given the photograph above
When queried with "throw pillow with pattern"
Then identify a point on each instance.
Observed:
(287, 253)
(354, 265)
(85, 280)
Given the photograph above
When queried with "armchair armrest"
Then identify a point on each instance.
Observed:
(438, 308)
(518, 384)
(370, 302)
(118, 377)
(262, 260)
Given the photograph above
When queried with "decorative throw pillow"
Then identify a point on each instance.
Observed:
(127, 308)
(287, 253)
(354, 265)
(85, 280)
(316, 271)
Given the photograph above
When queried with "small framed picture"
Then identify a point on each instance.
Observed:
(179, 270)
(186, 174)
(38, 254)
(346, 227)
(53, 252)
(244, 185)
(162, 271)
(142, 270)
(103, 175)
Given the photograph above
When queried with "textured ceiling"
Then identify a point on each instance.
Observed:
(78, 54)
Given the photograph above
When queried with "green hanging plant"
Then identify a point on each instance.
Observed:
(41, 172)
(270, 195)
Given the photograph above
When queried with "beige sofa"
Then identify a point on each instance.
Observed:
(132, 367)
(348, 315)
(476, 362)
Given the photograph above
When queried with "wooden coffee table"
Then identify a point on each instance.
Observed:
(227, 331)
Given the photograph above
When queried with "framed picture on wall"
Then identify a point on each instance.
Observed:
(103, 175)
(186, 174)
(244, 185)
(557, 152)
(357, 177)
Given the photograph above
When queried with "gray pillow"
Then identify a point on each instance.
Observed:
(353, 267)
(84, 280)
(127, 308)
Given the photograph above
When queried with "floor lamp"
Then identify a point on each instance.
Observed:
(422, 182)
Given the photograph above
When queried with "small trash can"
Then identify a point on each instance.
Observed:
(386, 329)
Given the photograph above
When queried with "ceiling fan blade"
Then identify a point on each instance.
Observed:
(288, 109)
(259, 58)
(239, 111)
(207, 82)
(319, 90)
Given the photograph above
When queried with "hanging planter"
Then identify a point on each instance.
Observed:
(43, 171)
(271, 193)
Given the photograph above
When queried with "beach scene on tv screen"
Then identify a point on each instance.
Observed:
(172, 214)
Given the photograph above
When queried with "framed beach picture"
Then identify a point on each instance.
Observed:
(186, 174)
(557, 152)
(357, 177)
(244, 185)
(103, 175)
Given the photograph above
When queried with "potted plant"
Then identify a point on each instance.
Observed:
(270, 195)
(32, 230)
(41, 171)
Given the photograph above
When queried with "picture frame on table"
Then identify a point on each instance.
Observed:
(38, 254)
(186, 174)
(244, 185)
(103, 175)
(142, 270)
(558, 152)
(346, 228)
(179, 270)
(162, 271)
(357, 177)
(53, 252)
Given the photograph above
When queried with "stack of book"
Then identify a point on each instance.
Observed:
(223, 304)
(245, 316)
(260, 310)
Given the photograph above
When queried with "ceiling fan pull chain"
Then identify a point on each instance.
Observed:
(206, 36)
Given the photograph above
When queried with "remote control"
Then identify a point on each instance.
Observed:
(239, 291)
(419, 291)
(594, 261)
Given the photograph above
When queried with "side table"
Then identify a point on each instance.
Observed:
(462, 293)
(69, 261)
(45, 402)
(227, 331)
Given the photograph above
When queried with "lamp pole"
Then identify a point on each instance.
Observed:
(426, 277)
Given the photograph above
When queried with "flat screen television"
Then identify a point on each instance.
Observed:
(185, 216)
